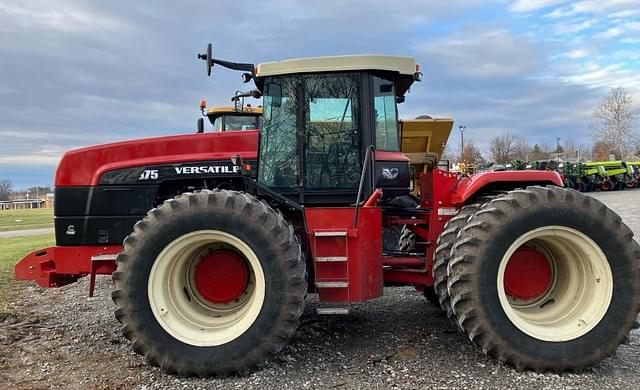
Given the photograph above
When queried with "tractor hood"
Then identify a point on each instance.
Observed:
(84, 167)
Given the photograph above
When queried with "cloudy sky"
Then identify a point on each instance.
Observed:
(76, 73)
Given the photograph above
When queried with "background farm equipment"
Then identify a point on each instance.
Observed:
(589, 176)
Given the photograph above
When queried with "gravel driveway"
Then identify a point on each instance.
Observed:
(62, 338)
(27, 232)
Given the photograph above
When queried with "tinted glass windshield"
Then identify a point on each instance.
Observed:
(241, 122)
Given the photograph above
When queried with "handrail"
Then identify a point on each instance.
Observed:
(371, 150)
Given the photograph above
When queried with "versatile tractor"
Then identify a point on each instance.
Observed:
(222, 245)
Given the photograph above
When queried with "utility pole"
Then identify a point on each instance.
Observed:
(462, 128)
(558, 150)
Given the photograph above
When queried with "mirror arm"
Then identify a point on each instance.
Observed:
(235, 65)
(254, 93)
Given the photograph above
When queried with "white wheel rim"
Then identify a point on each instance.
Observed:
(180, 309)
(580, 292)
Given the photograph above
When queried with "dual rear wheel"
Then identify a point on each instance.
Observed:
(541, 278)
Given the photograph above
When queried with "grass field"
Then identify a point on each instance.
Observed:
(12, 250)
(25, 219)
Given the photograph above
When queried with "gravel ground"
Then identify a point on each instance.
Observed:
(62, 338)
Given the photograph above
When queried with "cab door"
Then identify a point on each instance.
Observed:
(332, 142)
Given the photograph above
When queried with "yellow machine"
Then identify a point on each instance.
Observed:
(423, 140)
(230, 118)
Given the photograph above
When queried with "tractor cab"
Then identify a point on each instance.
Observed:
(330, 128)
(227, 118)
(238, 117)
(323, 120)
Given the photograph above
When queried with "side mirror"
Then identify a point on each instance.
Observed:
(200, 125)
(208, 58)
(275, 92)
(238, 101)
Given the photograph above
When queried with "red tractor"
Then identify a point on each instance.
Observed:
(222, 244)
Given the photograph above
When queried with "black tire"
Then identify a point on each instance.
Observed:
(480, 249)
(400, 237)
(582, 187)
(442, 256)
(407, 240)
(391, 238)
(607, 185)
(445, 242)
(277, 251)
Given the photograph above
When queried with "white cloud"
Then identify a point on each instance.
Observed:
(593, 75)
(64, 17)
(483, 54)
(611, 33)
(625, 14)
(533, 5)
(577, 53)
(622, 29)
(559, 13)
(572, 28)
(603, 6)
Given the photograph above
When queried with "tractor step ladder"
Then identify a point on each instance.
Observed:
(332, 270)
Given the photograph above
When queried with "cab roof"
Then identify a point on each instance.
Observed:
(399, 64)
(232, 110)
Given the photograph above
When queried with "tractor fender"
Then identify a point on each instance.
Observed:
(468, 187)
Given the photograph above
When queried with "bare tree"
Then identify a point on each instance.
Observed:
(522, 149)
(615, 121)
(601, 151)
(585, 151)
(6, 188)
(471, 154)
(502, 148)
(571, 148)
(537, 153)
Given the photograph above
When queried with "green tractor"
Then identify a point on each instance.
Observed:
(573, 174)
(518, 165)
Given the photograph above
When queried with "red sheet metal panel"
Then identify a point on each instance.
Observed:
(347, 260)
(60, 265)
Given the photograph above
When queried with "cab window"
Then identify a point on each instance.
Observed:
(217, 124)
(386, 117)
(241, 122)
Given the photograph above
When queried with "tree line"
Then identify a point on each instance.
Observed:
(7, 192)
(614, 132)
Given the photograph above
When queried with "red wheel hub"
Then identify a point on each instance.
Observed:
(221, 276)
(528, 274)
